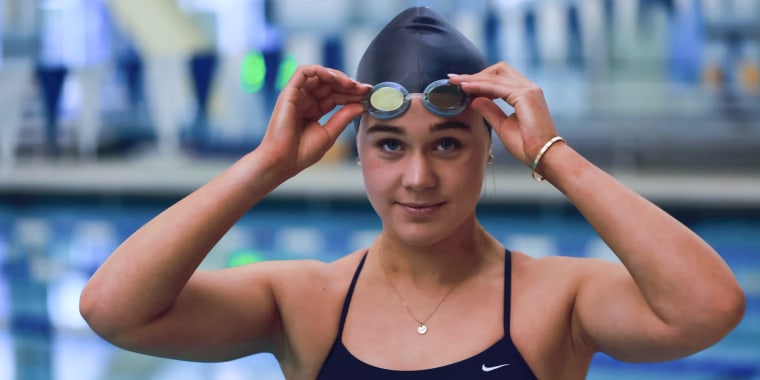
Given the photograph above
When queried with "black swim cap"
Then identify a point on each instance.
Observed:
(418, 47)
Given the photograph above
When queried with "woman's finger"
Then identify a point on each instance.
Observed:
(501, 122)
(333, 100)
(503, 69)
(492, 90)
(309, 108)
(496, 81)
(342, 118)
(489, 110)
(327, 91)
(312, 77)
(333, 79)
(507, 127)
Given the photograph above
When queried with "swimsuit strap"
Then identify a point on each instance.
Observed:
(349, 294)
(507, 290)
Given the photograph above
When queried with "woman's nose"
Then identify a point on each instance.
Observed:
(419, 173)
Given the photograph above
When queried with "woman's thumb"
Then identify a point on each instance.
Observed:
(341, 118)
(489, 110)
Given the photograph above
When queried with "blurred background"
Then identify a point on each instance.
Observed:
(111, 110)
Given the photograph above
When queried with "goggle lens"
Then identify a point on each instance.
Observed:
(446, 97)
(388, 100)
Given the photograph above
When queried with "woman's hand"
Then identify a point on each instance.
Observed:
(525, 131)
(295, 139)
(674, 286)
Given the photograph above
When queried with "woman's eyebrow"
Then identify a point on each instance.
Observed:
(446, 125)
(450, 124)
(377, 128)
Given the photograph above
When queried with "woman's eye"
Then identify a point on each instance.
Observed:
(389, 145)
(447, 145)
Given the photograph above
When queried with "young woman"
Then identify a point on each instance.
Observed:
(434, 296)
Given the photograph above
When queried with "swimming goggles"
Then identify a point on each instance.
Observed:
(388, 100)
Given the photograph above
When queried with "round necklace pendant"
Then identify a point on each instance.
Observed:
(422, 329)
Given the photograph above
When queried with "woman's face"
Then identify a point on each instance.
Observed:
(424, 173)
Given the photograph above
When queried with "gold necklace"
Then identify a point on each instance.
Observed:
(422, 327)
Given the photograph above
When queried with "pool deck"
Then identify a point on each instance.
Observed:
(179, 176)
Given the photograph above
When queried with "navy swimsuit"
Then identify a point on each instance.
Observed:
(500, 361)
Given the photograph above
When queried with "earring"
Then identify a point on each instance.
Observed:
(490, 159)
(358, 162)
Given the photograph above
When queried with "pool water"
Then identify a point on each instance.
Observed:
(49, 249)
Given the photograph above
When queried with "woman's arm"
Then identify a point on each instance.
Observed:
(148, 297)
(675, 294)
(142, 297)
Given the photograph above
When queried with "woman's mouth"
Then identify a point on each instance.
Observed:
(420, 209)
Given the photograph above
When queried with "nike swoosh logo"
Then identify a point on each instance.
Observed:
(494, 368)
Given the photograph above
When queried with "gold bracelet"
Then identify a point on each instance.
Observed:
(540, 154)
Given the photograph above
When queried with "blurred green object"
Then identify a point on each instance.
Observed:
(287, 68)
(252, 72)
(245, 257)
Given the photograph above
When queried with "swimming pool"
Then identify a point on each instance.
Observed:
(49, 247)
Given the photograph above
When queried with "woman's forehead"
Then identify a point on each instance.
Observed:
(419, 119)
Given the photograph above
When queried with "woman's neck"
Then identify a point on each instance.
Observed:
(443, 262)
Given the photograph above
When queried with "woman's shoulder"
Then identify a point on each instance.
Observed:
(339, 270)
(567, 270)
(310, 295)
(567, 264)
(307, 277)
